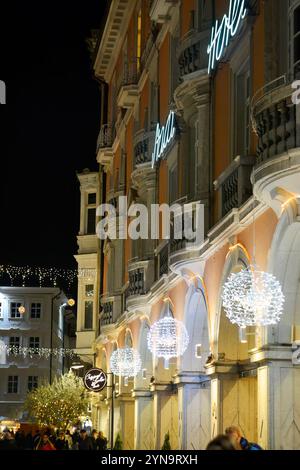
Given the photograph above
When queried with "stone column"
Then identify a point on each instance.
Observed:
(127, 420)
(143, 420)
(278, 399)
(194, 411)
(165, 414)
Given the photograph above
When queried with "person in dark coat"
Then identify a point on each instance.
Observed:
(220, 442)
(85, 442)
(61, 443)
(101, 441)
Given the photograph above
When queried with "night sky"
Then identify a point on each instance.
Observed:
(48, 128)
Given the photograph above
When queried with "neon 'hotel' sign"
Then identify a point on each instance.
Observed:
(224, 30)
(163, 137)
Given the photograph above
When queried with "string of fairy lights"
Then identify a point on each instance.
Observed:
(24, 351)
(20, 275)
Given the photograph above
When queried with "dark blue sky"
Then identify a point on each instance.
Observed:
(48, 128)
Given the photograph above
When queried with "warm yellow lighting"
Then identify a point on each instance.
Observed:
(71, 302)
(286, 203)
(238, 245)
(22, 309)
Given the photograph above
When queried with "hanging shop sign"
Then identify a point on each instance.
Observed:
(95, 380)
(225, 30)
(164, 135)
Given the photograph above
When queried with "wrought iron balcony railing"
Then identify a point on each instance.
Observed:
(106, 136)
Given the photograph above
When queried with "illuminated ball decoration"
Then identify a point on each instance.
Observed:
(168, 338)
(252, 297)
(71, 302)
(22, 310)
(125, 362)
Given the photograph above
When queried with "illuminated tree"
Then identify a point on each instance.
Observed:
(60, 404)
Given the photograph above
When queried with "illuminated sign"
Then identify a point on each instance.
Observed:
(95, 380)
(223, 31)
(163, 137)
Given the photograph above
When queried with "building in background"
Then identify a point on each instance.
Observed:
(88, 260)
(31, 317)
(236, 150)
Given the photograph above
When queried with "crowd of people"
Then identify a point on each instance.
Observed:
(47, 440)
(81, 440)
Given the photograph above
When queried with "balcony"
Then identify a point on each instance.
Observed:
(276, 120)
(143, 148)
(127, 88)
(104, 145)
(163, 260)
(141, 278)
(111, 310)
(159, 10)
(192, 53)
(234, 184)
(149, 46)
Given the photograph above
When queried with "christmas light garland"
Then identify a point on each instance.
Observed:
(36, 352)
(20, 274)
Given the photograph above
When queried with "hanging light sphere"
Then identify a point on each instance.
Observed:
(168, 338)
(252, 297)
(125, 362)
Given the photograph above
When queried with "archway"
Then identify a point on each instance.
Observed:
(234, 399)
(279, 380)
(143, 426)
(192, 382)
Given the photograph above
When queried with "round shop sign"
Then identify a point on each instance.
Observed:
(95, 380)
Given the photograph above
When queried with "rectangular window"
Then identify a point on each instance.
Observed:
(173, 184)
(91, 221)
(34, 342)
(88, 315)
(12, 384)
(35, 310)
(14, 342)
(92, 198)
(242, 112)
(14, 310)
(139, 41)
(32, 382)
(89, 290)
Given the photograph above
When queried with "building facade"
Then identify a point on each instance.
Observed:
(30, 317)
(235, 149)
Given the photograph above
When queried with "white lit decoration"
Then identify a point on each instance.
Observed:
(168, 338)
(125, 362)
(224, 30)
(163, 137)
(45, 353)
(18, 275)
(252, 297)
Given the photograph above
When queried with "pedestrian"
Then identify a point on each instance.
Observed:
(221, 442)
(238, 441)
(8, 442)
(28, 442)
(69, 439)
(20, 439)
(85, 442)
(94, 436)
(101, 441)
(36, 438)
(61, 443)
(75, 440)
(44, 443)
